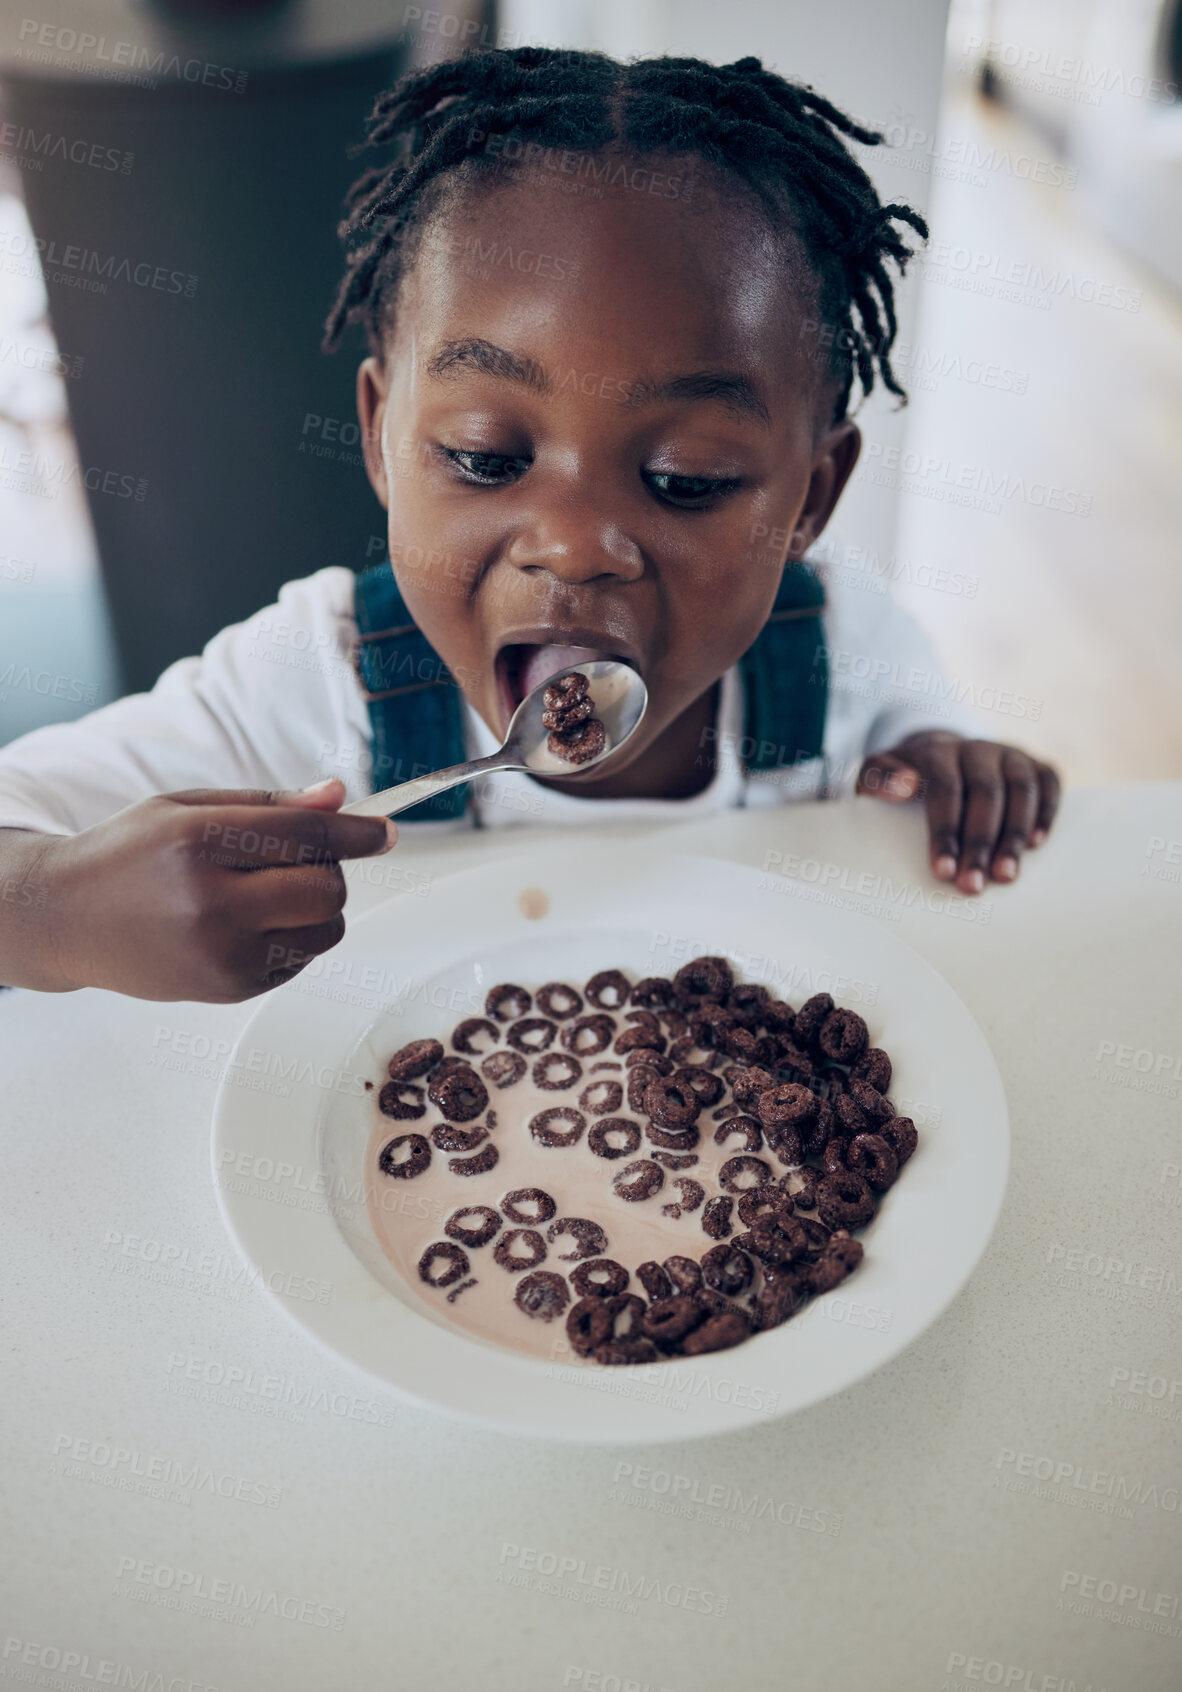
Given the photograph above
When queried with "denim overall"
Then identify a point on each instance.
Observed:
(415, 708)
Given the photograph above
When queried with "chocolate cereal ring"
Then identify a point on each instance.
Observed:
(640, 1079)
(726, 1268)
(557, 1070)
(504, 1253)
(506, 1002)
(805, 1196)
(478, 1165)
(565, 689)
(542, 1294)
(470, 1234)
(580, 744)
(716, 1218)
(672, 1104)
(601, 1098)
(668, 1320)
(652, 992)
(779, 1243)
(685, 1273)
(843, 1036)
(589, 1323)
(638, 1181)
(605, 1063)
(402, 1100)
(608, 990)
(873, 1067)
(541, 1206)
(777, 1016)
(674, 1160)
(542, 1127)
(762, 1204)
(568, 716)
(746, 1127)
(456, 1259)
(413, 1060)
(748, 996)
(405, 1168)
(816, 1237)
(683, 1141)
(844, 1200)
(446, 1137)
(872, 1156)
(590, 1239)
(877, 1107)
(503, 1069)
(900, 1134)
(647, 1057)
(779, 1299)
(787, 1144)
(810, 1017)
(599, 1277)
(840, 1258)
(787, 1106)
(850, 1117)
(460, 1094)
(707, 1087)
(558, 1001)
(588, 1035)
(654, 1280)
(673, 1022)
(717, 1333)
(740, 1174)
(532, 1034)
(692, 1193)
(703, 978)
(467, 1031)
(614, 1136)
(640, 1040)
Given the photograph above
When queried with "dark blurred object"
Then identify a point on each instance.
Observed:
(189, 252)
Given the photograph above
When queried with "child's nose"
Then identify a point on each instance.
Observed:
(576, 543)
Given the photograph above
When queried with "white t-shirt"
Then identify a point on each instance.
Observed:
(274, 702)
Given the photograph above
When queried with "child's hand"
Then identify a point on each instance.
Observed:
(985, 802)
(204, 895)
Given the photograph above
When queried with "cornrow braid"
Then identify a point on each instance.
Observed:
(783, 139)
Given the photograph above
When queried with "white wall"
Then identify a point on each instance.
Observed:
(881, 63)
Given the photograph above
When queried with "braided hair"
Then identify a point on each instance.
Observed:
(783, 139)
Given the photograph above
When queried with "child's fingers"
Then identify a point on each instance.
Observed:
(944, 798)
(886, 775)
(1048, 803)
(985, 800)
(286, 898)
(245, 836)
(1022, 798)
(288, 950)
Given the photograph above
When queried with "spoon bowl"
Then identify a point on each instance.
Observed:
(620, 699)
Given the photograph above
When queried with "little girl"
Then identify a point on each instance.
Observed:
(615, 316)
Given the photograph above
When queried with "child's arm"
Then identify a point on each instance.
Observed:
(200, 895)
(986, 802)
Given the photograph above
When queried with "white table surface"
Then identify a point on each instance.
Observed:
(902, 1540)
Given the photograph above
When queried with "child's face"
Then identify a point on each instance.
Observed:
(592, 513)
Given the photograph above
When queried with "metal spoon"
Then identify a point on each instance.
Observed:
(620, 698)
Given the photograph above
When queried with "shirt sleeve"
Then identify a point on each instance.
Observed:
(272, 703)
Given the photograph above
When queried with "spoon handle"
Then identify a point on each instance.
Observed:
(393, 800)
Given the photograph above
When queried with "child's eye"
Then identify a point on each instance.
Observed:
(690, 491)
(490, 469)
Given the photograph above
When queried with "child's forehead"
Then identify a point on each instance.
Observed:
(638, 279)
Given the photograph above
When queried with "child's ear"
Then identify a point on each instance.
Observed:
(833, 465)
(371, 412)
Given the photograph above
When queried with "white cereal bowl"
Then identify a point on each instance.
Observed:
(293, 1119)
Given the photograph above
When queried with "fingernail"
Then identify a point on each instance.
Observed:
(391, 834)
(1005, 869)
(974, 881)
(945, 868)
(317, 786)
(1037, 838)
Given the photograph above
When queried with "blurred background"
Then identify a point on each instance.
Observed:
(173, 446)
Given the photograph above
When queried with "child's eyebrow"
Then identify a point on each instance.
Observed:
(733, 389)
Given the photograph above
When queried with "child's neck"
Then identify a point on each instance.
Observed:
(678, 764)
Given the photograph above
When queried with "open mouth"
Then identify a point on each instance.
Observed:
(521, 666)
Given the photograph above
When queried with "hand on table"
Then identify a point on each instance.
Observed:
(986, 803)
(206, 895)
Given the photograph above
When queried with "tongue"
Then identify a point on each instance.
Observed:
(546, 661)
